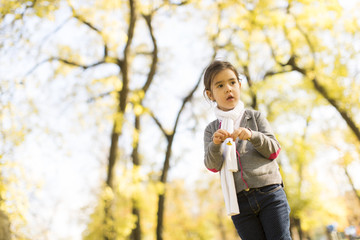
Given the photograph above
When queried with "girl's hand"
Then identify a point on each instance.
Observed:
(241, 133)
(220, 135)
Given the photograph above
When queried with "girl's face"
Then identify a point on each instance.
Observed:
(225, 90)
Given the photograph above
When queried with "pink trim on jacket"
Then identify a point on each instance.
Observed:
(247, 186)
(213, 170)
(275, 154)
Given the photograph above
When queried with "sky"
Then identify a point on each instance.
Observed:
(66, 164)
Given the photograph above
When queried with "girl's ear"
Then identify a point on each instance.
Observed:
(209, 94)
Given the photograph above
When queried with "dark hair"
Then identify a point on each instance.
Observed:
(214, 68)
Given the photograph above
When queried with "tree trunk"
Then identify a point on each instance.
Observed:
(4, 226)
(296, 231)
(166, 165)
(136, 232)
(118, 122)
(112, 155)
(352, 184)
(163, 180)
(221, 226)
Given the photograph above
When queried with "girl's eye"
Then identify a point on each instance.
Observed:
(220, 86)
(233, 82)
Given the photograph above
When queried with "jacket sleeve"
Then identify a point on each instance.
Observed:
(263, 139)
(213, 158)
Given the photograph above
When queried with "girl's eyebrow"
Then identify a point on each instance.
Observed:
(218, 82)
(221, 81)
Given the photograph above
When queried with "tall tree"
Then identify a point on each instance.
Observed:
(136, 232)
(166, 165)
(170, 135)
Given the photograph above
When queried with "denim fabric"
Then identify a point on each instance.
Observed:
(264, 214)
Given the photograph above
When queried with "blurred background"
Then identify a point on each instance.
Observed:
(102, 114)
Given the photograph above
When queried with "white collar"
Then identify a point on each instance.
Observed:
(232, 114)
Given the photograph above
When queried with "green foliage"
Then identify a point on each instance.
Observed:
(132, 188)
(183, 219)
(122, 220)
(17, 8)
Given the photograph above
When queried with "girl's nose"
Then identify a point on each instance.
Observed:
(228, 88)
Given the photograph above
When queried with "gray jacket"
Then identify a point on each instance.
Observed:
(257, 167)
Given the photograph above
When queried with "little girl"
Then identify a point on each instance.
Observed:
(241, 145)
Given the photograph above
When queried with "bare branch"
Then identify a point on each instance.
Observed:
(348, 119)
(273, 54)
(91, 26)
(350, 179)
(71, 63)
(131, 29)
(158, 123)
(56, 30)
(272, 73)
(92, 99)
(75, 64)
(32, 5)
(307, 39)
(152, 71)
(180, 3)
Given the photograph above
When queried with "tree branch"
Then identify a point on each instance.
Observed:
(154, 54)
(91, 26)
(158, 123)
(349, 121)
(352, 183)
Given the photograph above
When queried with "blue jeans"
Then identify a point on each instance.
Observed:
(264, 214)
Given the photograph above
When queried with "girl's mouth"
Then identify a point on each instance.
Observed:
(230, 98)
